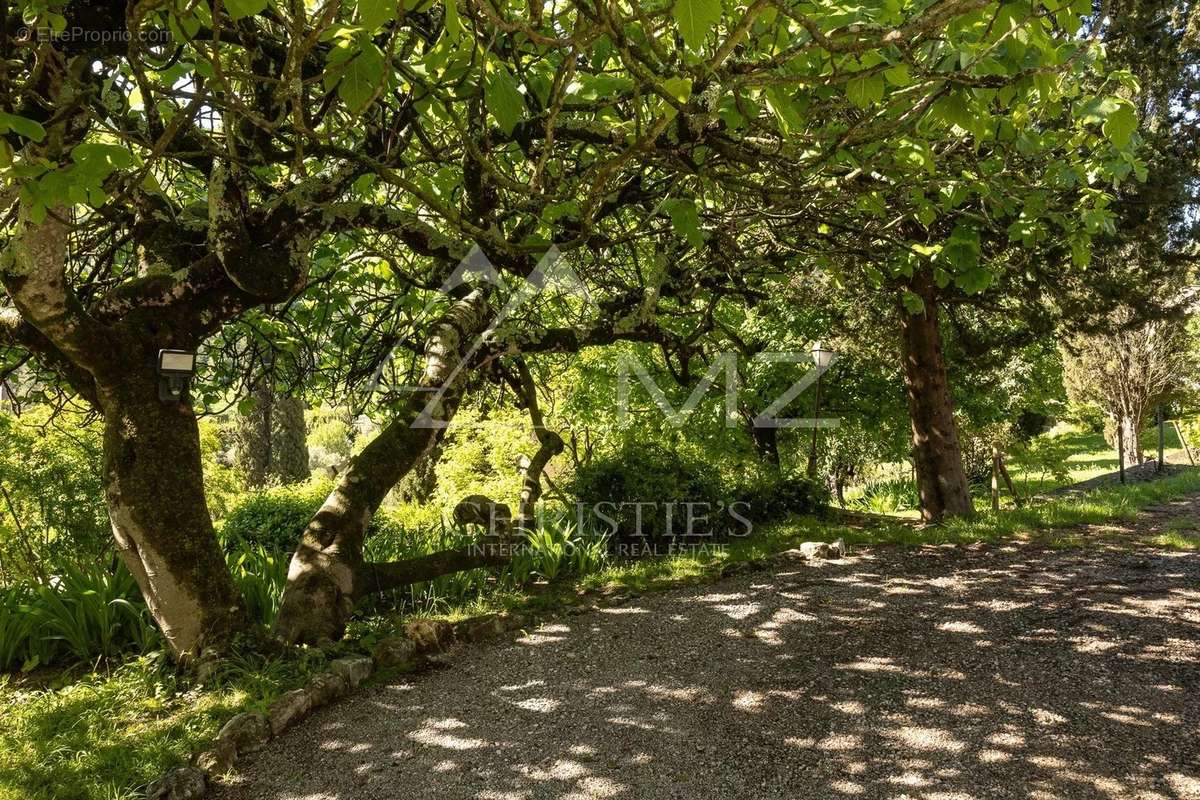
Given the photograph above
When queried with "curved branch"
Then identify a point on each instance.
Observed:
(38, 287)
(373, 578)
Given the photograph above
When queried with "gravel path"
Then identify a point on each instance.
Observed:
(940, 674)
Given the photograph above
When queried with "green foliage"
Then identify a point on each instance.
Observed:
(274, 518)
(558, 547)
(51, 500)
(1088, 416)
(330, 436)
(480, 455)
(222, 483)
(887, 497)
(642, 484)
(696, 19)
(260, 575)
(775, 496)
(976, 442)
(1043, 460)
(83, 614)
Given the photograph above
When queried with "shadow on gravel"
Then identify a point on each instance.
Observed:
(939, 674)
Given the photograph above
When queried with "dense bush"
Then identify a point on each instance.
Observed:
(480, 455)
(274, 518)
(1087, 416)
(51, 499)
(223, 484)
(664, 481)
(331, 435)
(778, 496)
(644, 486)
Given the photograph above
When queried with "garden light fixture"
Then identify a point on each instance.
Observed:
(175, 370)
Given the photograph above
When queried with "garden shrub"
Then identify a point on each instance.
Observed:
(274, 518)
(85, 612)
(664, 480)
(887, 497)
(648, 478)
(331, 435)
(52, 511)
(223, 484)
(778, 496)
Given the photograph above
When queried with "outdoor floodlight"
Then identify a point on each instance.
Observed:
(175, 369)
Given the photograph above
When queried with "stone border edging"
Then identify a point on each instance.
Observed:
(250, 730)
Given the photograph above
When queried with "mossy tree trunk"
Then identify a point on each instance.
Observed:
(328, 575)
(154, 487)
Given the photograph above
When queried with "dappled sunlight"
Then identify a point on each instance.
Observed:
(442, 733)
(935, 675)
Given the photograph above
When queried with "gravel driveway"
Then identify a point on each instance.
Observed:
(940, 674)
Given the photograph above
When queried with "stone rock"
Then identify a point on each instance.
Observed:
(324, 688)
(479, 629)
(430, 634)
(396, 651)
(814, 550)
(181, 783)
(288, 709)
(219, 760)
(353, 670)
(516, 621)
(246, 732)
(207, 665)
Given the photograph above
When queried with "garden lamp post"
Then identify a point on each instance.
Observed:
(822, 358)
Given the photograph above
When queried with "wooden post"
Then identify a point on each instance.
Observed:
(1008, 481)
(1161, 438)
(995, 478)
(1183, 441)
(1121, 449)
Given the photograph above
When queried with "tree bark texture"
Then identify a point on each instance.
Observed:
(941, 481)
(154, 488)
(327, 575)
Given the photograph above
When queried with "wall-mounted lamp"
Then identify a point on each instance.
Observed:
(175, 370)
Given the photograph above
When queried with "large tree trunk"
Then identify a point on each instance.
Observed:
(154, 486)
(328, 576)
(941, 481)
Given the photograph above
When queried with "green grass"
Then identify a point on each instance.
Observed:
(1086, 455)
(105, 735)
